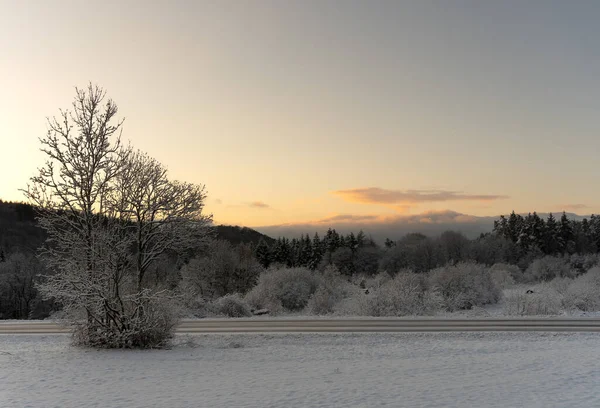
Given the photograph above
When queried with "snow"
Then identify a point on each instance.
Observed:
(308, 370)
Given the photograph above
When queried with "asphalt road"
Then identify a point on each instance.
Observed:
(298, 325)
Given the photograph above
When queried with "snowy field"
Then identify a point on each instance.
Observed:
(308, 370)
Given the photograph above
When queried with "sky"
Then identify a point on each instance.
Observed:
(317, 112)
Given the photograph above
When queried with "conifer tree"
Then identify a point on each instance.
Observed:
(361, 239)
(263, 253)
(316, 254)
(565, 234)
(305, 251)
(551, 244)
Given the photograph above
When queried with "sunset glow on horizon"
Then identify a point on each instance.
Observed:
(311, 112)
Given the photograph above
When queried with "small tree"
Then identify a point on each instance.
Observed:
(100, 239)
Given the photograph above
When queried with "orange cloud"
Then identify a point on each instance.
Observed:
(259, 204)
(427, 217)
(402, 199)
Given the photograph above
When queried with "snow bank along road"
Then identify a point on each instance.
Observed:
(332, 325)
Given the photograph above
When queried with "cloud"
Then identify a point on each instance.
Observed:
(218, 201)
(348, 218)
(402, 199)
(259, 204)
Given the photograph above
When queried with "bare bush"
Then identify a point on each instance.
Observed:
(543, 301)
(584, 292)
(547, 268)
(560, 285)
(332, 290)
(583, 263)
(500, 271)
(154, 319)
(502, 278)
(285, 288)
(407, 294)
(231, 306)
(464, 286)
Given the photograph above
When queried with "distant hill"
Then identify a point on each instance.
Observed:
(19, 230)
(237, 235)
(430, 224)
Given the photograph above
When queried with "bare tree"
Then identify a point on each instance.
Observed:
(164, 215)
(17, 285)
(109, 214)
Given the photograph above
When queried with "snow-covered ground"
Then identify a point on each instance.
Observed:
(308, 370)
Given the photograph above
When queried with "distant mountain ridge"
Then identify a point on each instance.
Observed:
(430, 224)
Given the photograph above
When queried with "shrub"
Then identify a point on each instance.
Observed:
(198, 307)
(513, 270)
(286, 288)
(407, 294)
(501, 277)
(548, 268)
(464, 286)
(583, 263)
(544, 301)
(231, 306)
(152, 326)
(560, 285)
(584, 292)
(332, 290)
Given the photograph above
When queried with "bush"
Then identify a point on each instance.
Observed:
(407, 294)
(583, 263)
(584, 292)
(513, 270)
(231, 306)
(464, 286)
(548, 268)
(152, 326)
(560, 285)
(501, 277)
(544, 301)
(286, 288)
(333, 289)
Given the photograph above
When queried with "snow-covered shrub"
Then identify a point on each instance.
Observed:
(380, 279)
(502, 277)
(231, 306)
(287, 288)
(543, 301)
(333, 288)
(464, 285)
(197, 306)
(583, 263)
(150, 323)
(407, 294)
(584, 292)
(513, 271)
(560, 285)
(547, 268)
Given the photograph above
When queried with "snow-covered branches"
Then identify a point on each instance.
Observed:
(109, 214)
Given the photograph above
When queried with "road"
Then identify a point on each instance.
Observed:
(331, 325)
